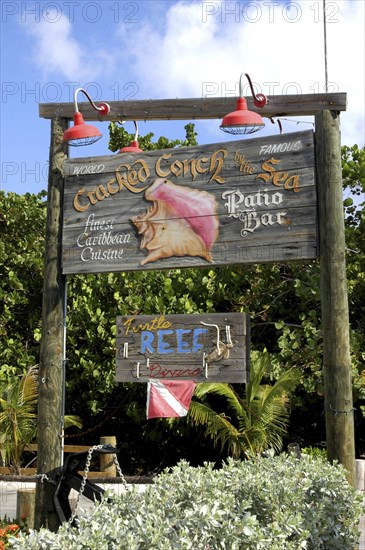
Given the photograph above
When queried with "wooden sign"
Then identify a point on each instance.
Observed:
(205, 348)
(246, 201)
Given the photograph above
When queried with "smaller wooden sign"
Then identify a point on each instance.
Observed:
(200, 347)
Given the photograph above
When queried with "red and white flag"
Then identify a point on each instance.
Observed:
(169, 398)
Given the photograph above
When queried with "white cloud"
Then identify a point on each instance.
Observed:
(204, 47)
(191, 48)
(57, 52)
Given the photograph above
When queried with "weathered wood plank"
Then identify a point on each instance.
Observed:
(224, 254)
(66, 448)
(255, 150)
(199, 108)
(183, 347)
(5, 471)
(217, 204)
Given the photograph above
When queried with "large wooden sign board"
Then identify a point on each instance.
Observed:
(204, 348)
(245, 201)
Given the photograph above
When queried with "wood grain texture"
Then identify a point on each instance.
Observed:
(340, 434)
(183, 347)
(51, 367)
(260, 193)
(199, 108)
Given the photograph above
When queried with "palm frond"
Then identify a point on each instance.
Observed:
(254, 423)
(259, 364)
(217, 426)
(29, 387)
(222, 390)
(72, 420)
(18, 415)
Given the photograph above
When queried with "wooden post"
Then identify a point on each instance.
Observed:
(107, 465)
(25, 500)
(50, 413)
(335, 316)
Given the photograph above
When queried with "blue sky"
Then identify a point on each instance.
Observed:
(164, 49)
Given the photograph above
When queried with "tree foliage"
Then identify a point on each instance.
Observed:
(353, 169)
(18, 400)
(18, 416)
(250, 424)
(119, 137)
(353, 177)
(22, 231)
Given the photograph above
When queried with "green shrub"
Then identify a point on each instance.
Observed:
(272, 503)
(316, 452)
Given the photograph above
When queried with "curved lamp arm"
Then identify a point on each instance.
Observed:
(260, 100)
(103, 108)
(122, 122)
(134, 146)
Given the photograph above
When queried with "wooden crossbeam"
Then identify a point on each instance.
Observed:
(66, 448)
(199, 108)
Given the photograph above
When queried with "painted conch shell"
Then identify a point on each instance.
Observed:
(181, 222)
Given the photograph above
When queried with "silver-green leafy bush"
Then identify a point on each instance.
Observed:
(272, 503)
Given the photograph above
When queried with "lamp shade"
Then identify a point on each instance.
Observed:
(133, 147)
(80, 133)
(242, 121)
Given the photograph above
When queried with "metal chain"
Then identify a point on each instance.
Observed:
(44, 477)
(84, 479)
(119, 469)
(86, 472)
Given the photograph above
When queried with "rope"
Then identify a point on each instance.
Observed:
(229, 339)
(218, 336)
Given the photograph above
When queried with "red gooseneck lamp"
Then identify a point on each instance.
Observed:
(80, 133)
(243, 121)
